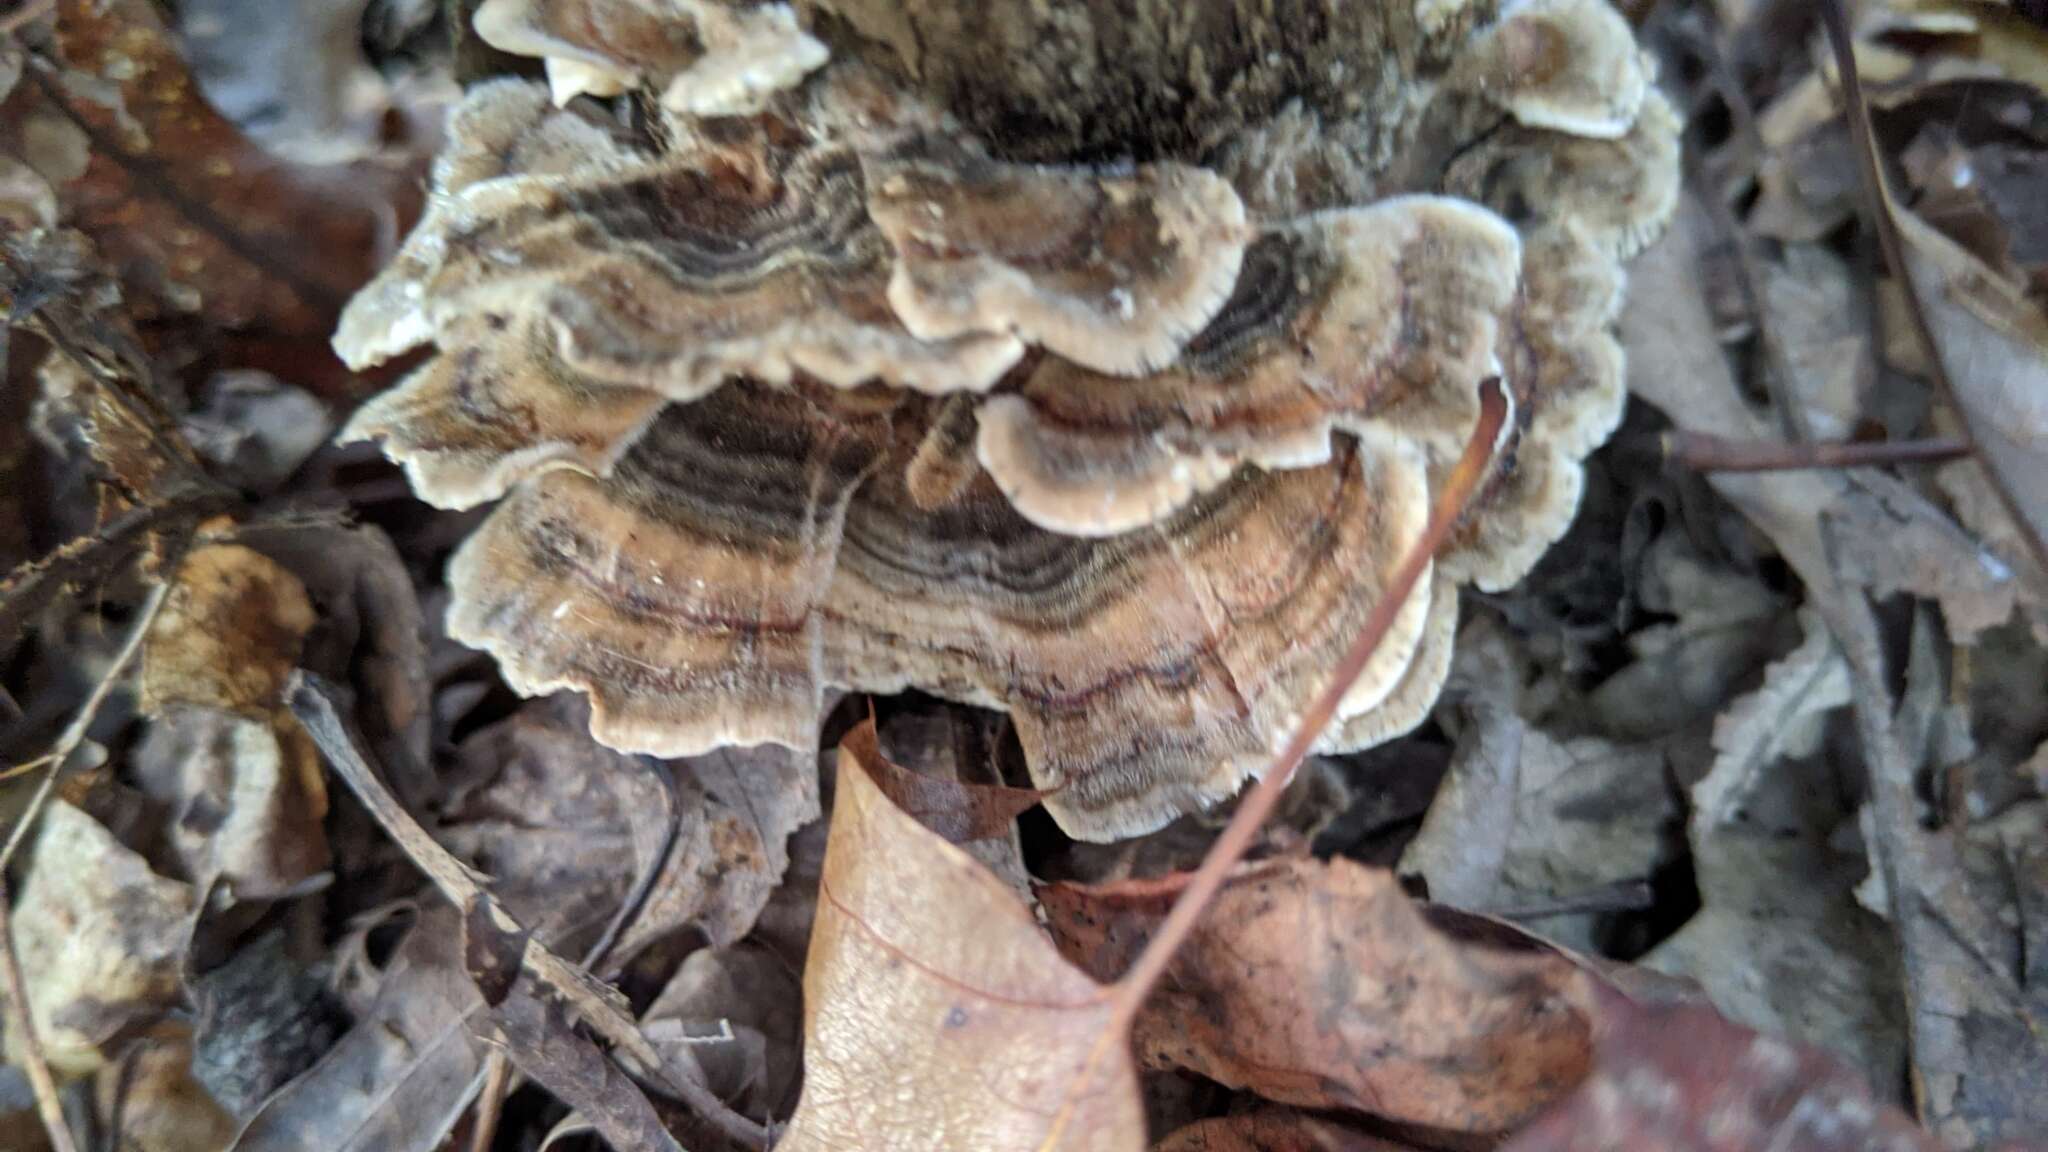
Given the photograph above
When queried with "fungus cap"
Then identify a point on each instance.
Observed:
(1109, 405)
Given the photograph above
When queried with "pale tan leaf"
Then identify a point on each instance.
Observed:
(937, 1015)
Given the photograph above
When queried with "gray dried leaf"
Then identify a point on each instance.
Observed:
(567, 825)
(1797, 957)
(1895, 541)
(399, 1079)
(1993, 345)
(102, 940)
(1778, 720)
(733, 1017)
(1529, 819)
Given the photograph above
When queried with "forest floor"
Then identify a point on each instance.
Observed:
(1730, 829)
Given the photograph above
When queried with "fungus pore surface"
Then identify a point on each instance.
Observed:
(1093, 360)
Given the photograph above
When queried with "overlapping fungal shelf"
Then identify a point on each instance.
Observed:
(841, 370)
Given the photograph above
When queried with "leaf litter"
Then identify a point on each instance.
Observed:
(1729, 831)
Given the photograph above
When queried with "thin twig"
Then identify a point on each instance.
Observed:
(636, 896)
(313, 704)
(74, 733)
(1127, 996)
(14, 996)
(87, 559)
(498, 1070)
(598, 1002)
(490, 1103)
(52, 764)
(1704, 452)
(1236, 839)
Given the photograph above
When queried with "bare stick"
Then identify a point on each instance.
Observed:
(499, 1075)
(313, 704)
(599, 1002)
(1704, 452)
(29, 12)
(14, 994)
(490, 1103)
(52, 764)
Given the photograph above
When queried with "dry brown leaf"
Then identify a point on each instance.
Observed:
(243, 782)
(936, 1013)
(1679, 1078)
(102, 940)
(1321, 984)
(229, 635)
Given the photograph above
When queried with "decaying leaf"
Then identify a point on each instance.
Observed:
(1321, 984)
(1800, 959)
(733, 1017)
(247, 799)
(936, 1013)
(1273, 1131)
(242, 780)
(1679, 366)
(161, 1105)
(199, 218)
(547, 812)
(399, 1079)
(102, 940)
(1527, 819)
(1992, 342)
(956, 809)
(1680, 1078)
(229, 635)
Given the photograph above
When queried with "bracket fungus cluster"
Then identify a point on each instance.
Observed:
(1092, 360)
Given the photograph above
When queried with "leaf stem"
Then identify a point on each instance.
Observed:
(1471, 469)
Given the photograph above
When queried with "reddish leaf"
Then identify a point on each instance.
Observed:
(1682, 1079)
(1274, 1131)
(193, 213)
(1321, 984)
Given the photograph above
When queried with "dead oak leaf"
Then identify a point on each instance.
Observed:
(937, 1015)
(1320, 984)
